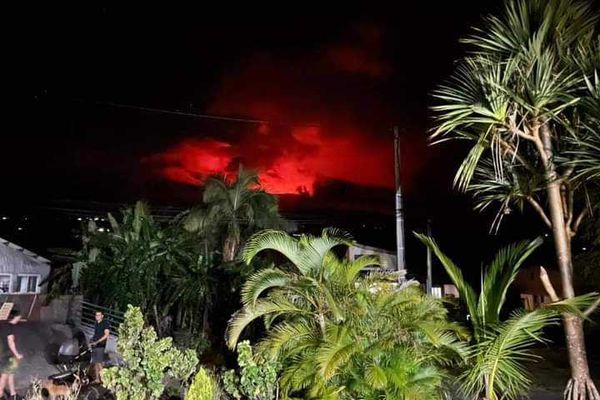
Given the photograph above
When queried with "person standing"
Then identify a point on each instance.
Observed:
(9, 361)
(98, 344)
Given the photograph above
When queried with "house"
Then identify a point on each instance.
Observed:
(21, 271)
(530, 287)
(387, 258)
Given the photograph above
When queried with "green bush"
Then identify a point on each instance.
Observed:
(204, 387)
(146, 360)
(257, 377)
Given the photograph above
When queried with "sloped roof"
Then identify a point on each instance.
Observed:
(14, 258)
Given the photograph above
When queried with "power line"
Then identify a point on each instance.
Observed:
(200, 115)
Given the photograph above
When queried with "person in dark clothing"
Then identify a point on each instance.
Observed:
(98, 345)
(9, 360)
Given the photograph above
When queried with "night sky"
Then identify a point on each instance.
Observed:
(330, 84)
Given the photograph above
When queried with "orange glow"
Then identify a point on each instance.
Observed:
(308, 157)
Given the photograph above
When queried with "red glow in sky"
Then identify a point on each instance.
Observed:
(191, 161)
(315, 136)
(309, 156)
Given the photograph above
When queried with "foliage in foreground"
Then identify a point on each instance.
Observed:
(527, 98)
(500, 349)
(338, 335)
(146, 360)
(204, 387)
(256, 379)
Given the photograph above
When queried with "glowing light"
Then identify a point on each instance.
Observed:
(293, 166)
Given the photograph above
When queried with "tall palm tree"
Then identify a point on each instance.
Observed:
(521, 97)
(337, 335)
(500, 348)
(239, 205)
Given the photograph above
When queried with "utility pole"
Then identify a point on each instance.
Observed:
(400, 258)
(429, 276)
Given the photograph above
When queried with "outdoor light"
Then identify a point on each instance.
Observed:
(583, 248)
(100, 229)
(79, 219)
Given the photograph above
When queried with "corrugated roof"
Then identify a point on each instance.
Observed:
(26, 252)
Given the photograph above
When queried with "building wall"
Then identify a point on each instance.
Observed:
(388, 261)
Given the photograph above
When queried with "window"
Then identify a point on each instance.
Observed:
(27, 284)
(4, 283)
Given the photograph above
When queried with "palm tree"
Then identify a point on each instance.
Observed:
(501, 347)
(521, 96)
(239, 205)
(584, 155)
(337, 335)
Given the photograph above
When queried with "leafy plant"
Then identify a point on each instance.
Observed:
(338, 335)
(499, 348)
(238, 207)
(204, 386)
(527, 97)
(142, 262)
(256, 378)
(146, 358)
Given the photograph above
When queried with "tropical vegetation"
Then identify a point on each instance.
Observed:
(146, 361)
(173, 269)
(500, 347)
(527, 96)
(338, 335)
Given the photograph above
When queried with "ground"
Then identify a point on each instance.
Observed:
(551, 373)
(37, 342)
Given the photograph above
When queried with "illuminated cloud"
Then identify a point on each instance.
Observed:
(314, 134)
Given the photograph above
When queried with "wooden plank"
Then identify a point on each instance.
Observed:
(5, 310)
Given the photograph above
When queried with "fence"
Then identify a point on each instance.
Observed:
(84, 317)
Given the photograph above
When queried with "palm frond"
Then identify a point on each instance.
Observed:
(270, 239)
(262, 281)
(498, 360)
(500, 275)
(465, 290)
(241, 319)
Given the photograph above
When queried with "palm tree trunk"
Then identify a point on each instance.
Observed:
(488, 389)
(230, 248)
(580, 386)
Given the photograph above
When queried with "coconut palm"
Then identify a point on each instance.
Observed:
(526, 96)
(340, 336)
(238, 205)
(500, 348)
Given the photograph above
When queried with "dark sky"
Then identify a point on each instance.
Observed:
(331, 82)
(354, 72)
